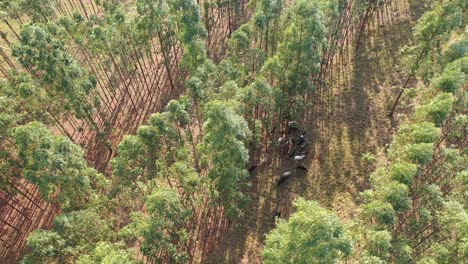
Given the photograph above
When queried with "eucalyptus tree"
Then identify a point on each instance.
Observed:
(256, 40)
(144, 158)
(430, 33)
(47, 246)
(156, 20)
(259, 106)
(71, 237)
(138, 159)
(56, 166)
(224, 148)
(451, 78)
(178, 114)
(106, 252)
(90, 42)
(163, 228)
(298, 57)
(42, 48)
(267, 20)
(310, 235)
(129, 164)
(21, 101)
(115, 59)
(198, 87)
(38, 10)
(11, 10)
(249, 47)
(413, 194)
(30, 101)
(192, 33)
(332, 11)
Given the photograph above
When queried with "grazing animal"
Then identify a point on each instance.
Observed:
(299, 158)
(281, 140)
(282, 180)
(304, 152)
(252, 168)
(292, 151)
(301, 140)
(284, 177)
(300, 167)
(277, 214)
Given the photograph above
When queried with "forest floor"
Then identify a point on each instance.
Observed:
(360, 90)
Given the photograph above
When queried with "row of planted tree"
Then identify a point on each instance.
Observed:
(126, 55)
(416, 209)
(180, 179)
(105, 69)
(189, 159)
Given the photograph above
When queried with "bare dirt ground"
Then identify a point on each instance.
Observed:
(350, 121)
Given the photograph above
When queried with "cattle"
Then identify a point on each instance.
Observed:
(277, 214)
(301, 140)
(281, 140)
(299, 158)
(292, 151)
(284, 177)
(293, 124)
(252, 168)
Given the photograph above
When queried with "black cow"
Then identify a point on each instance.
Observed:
(301, 140)
(284, 177)
(252, 168)
(277, 214)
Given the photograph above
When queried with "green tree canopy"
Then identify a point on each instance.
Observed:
(311, 235)
(56, 166)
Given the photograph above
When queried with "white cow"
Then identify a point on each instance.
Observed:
(299, 158)
(281, 140)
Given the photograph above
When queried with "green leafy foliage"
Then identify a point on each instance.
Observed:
(46, 246)
(403, 172)
(223, 144)
(57, 166)
(164, 226)
(311, 235)
(72, 235)
(43, 47)
(436, 110)
(382, 213)
(299, 55)
(109, 254)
